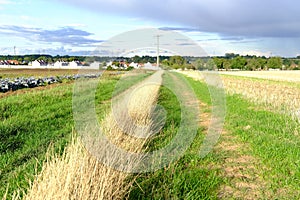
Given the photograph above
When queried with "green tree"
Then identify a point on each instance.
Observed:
(165, 62)
(199, 64)
(177, 60)
(116, 63)
(137, 59)
(253, 64)
(274, 63)
(211, 64)
(218, 62)
(238, 63)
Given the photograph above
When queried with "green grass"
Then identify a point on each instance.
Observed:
(188, 178)
(30, 123)
(273, 139)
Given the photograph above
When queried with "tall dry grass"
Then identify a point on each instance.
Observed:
(286, 75)
(276, 96)
(77, 174)
(281, 96)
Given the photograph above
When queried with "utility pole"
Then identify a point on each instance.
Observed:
(15, 50)
(158, 36)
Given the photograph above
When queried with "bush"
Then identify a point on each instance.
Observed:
(129, 68)
(109, 68)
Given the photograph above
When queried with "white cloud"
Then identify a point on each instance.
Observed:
(268, 18)
(254, 52)
(5, 2)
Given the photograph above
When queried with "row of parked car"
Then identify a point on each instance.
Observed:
(8, 84)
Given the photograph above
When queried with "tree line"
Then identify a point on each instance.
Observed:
(232, 62)
(229, 61)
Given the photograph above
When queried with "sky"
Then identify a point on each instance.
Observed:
(77, 27)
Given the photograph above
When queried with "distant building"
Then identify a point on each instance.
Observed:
(134, 65)
(4, 62)
(75, 64)
(60, 64)
(149, 66)
(13, 62)
(123, 64)
(38, 63)
(96, 65)
(9, 62)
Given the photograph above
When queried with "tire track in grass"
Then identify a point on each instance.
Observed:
(241, 170)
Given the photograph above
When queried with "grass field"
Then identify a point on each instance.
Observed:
(34, 120)
(256, 157)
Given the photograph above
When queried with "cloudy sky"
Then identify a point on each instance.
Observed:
(268, 27)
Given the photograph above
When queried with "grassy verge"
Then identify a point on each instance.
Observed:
(258, 155)
(190, 177)
(272, 138)
(30, 122)
(77, 174)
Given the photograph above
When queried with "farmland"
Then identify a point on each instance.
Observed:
(290, 76)
(256, 157)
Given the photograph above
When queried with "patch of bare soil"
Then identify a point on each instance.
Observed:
(242, 171)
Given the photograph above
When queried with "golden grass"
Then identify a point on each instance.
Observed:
(77, 174)
(283, 97)
(276, 96)
(291, 76)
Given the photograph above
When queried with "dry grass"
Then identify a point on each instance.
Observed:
(281, 97)
(292, 76)
(78, 174)
(197, 75)
(284, 97)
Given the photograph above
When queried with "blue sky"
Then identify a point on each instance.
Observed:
(268, 27)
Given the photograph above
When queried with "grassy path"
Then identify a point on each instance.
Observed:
(31, 121)
(190, 177)
(258, 151)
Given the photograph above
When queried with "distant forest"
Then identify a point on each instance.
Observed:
(229, 61)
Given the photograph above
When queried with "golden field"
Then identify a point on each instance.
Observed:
(276, 89)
